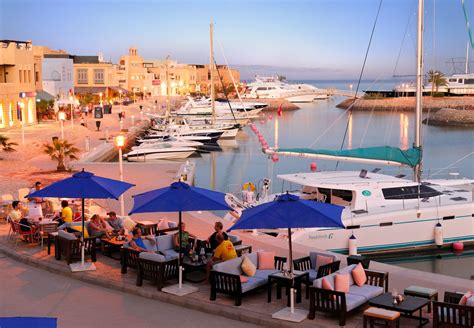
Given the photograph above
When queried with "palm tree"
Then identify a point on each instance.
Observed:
(6, 145)
(437, 79)
(60, 150)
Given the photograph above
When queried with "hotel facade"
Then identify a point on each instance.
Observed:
(20, 74)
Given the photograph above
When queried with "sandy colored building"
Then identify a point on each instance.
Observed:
(132, 74)
(20, 73)
(93, 75)
(187, 78)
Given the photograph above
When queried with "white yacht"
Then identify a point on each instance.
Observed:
(163, 150)
(270, 88)
(457, 85)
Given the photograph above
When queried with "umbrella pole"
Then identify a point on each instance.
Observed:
(292, 290)
(180, 269)
(82, 234)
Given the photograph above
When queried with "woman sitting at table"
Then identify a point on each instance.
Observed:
(185, 244)
(97, 227)
(137, 243)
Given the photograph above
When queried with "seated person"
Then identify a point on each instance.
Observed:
(15, 214)
(137, 243)
(185, 244)
(97, 227)
(212, 241)
(116, 223)
(224, 252)
(66, 213)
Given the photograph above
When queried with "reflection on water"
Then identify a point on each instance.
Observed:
(455, 265)
(404, 125)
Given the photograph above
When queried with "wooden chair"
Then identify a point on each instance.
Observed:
(128, 259)
(157, 272)
(45, 229)
(449, 314)
(71, 249)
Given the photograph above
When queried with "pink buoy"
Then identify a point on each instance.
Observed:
(260, 138)
(270, 116)
(275, 158)
(313, 167)
(262, 122)
(263, 114)
(458, 246)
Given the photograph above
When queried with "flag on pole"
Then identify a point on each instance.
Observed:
(280, 110)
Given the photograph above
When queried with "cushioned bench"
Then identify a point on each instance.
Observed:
(423, 292)
(451, 314)
(225, 277)
(156, 268)
(309, 263)
(375, 315)
(335, 302)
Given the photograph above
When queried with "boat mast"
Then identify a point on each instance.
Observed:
(167, 89)
(211, 67)
(419, 88)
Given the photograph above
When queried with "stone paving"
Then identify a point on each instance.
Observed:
(254, 308)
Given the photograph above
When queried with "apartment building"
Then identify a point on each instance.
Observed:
(93, 75)
(20, 72)
(132, 74)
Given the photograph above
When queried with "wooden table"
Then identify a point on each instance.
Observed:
(285, 281)
(240, 249)
(195, 271)
(407, 308)
(110, 246)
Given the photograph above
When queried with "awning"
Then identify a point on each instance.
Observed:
(118, 89)
(89, 90)
(43, 95)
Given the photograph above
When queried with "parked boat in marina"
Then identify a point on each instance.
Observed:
(270, 88)
(159, 151)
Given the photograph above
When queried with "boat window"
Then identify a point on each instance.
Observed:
(409, 192)
(261, 88)
(327, 193)
(468, 81)
(460, 80)
(453, 80)
(341, 197)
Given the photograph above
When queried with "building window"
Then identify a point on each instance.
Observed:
(82, 76)
(2, 121)
(99, 76)
(37, 76)
(20, 74)
(69, 76)
(24, 76)
(29, 76)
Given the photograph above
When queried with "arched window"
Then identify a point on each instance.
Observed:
(2, 120)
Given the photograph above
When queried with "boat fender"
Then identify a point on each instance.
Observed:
(235, 214)
(352, 245)
(438, 234)
(458, 247)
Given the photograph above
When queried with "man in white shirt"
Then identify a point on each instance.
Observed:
(35, 210)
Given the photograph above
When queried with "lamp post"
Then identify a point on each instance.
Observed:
(62, 117)
(72, 112)
(350, 88)
(120, 142)
(100, 95)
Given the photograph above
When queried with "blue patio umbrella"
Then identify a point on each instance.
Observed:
(179, 197)
(289, 211)
(84, 185)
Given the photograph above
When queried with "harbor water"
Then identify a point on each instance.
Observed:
(322, 125)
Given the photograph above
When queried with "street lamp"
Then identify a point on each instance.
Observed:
(120, 143)
(350, 88)
(100, 95)
(72, 112)
(62, 118)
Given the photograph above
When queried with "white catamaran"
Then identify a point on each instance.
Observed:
(381, 212)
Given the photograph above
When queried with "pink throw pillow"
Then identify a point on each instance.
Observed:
(266, 260)
(342, 283)
(323, 260)
(359, 276)
(243, 279)
(464, 298)
(326, 285)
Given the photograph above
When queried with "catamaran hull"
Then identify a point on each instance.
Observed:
(385, 232)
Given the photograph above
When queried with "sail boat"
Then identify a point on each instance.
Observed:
(383, 213)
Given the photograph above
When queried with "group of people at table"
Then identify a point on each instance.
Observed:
(218, 242)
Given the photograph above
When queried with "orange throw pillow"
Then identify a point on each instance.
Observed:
(266, 260)
(359, 276)
(323, 260)
(342, 283)
(243, 279)
(464, 298)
